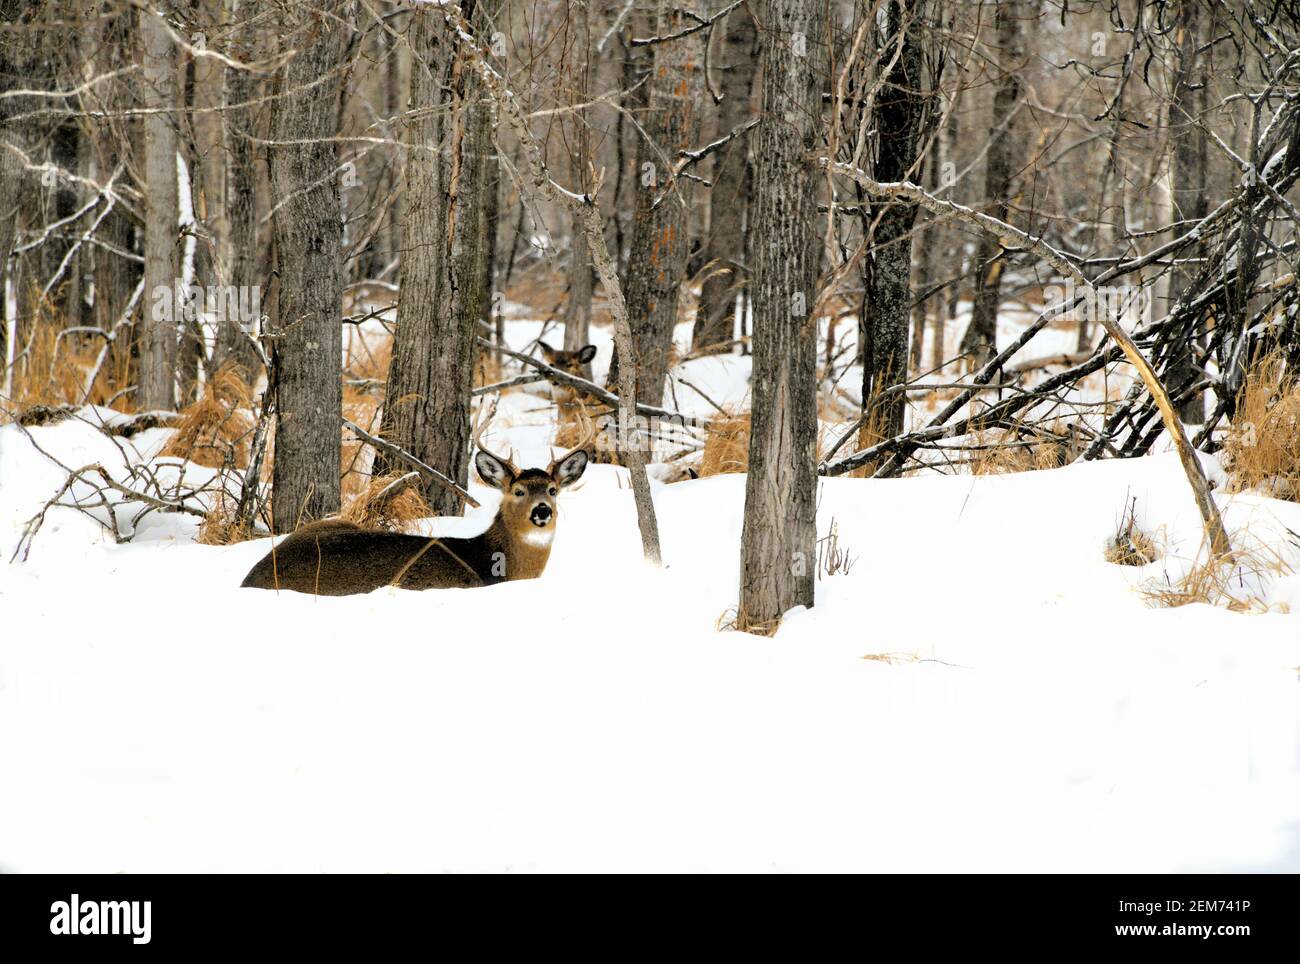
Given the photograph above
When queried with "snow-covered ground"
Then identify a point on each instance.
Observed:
(1031, 713)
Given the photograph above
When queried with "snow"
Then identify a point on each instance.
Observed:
(981, 692)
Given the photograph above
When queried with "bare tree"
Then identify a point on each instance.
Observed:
(444, 245)
(898, 121)
(159, 96)
(657, 260)
(1188, 175)
(1005, 156)
(307, 340)
(577, 311)
(240, 258)
(729, 197)
(778, 542)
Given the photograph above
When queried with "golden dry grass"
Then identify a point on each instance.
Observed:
(1001, 452)
(726, 445)
(387, 502)
(1262, 449)
(1130, 546)
(53, 371)
(219, 528)
(216, 430)
(1229, 581)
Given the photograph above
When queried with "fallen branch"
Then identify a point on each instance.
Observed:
(586, 387)
(1013, 237)
(411, 460)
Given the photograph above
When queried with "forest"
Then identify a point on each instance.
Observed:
(669, 435)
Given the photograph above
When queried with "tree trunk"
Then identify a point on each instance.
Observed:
(159, 342)
(577, 309)
(729, 197)
(1187, 176)
(778, 553)
(657, 262)
(308, 343)
(954, 240)
(241, 257)
(1005, 155)
(12, 75)
(431, 374)
(899, 113)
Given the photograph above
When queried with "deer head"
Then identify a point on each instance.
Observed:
(568, 361)
(528, 496)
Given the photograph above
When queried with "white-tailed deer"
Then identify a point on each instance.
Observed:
(574, 411)
(337, 558)
(366, 296)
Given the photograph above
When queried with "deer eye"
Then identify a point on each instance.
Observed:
(520, 493)
(551, 491)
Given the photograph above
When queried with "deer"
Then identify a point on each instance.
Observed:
(337, 558)
(572, 408)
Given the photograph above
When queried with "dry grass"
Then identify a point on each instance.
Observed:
(726, 445)
(1130, 546)
(216, 430)
(53, 371)
(1233, 581)
(1262, 450)
(361, 408)
(1001, 452)
(832, 560)
(220, 528)
(388, 502)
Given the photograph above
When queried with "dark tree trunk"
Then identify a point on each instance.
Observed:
(1187, 181)
(161, 316)
(233, 345)
(778, 557)
(657, 262)
(729, 197)
(577, 310)
(899, 114)
(116, 275)
(443, 265)
(1005, 156)
(308, 344)
(13, 74)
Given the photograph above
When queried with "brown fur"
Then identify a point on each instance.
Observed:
(334, 557)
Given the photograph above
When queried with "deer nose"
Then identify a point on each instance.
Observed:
(541, 514)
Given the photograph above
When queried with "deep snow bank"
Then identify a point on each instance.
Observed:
(1036, 714)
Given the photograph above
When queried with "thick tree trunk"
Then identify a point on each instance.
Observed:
(443, 267)
(307, 344)
(778, 553)
(729, 197)
(1005, 156)
(1187, 176)
(241, 256)
(161, 316)
(657, 262)
(899, 113)
(116, 275)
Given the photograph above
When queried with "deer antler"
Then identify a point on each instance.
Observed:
(587, 437)
(483, 423)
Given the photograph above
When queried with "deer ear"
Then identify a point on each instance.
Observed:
(491, 470)
(586, 353)
(547, 352)
(571, 469)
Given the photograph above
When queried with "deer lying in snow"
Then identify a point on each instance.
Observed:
(337, 558)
